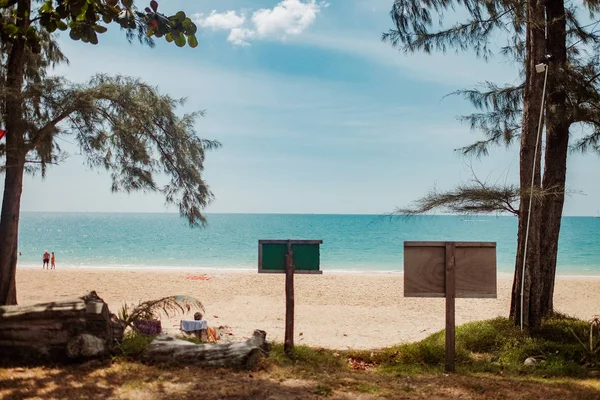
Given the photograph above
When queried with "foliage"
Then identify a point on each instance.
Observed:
(467, 198)
(474, 197)
(495, 345)
(85, 19)
(307, 359)
(591, 343)
(133, 344)
(152, 309)
(500, 106)
(124, 126)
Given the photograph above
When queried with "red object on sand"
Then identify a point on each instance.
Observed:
(198, 278)
(2, 133)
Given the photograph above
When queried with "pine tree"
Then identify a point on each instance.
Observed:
(538, 32)
(121, 124)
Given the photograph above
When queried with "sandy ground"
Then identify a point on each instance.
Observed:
(337, 311)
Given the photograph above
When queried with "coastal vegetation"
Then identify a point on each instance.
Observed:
(123, 126)
(554, 39)
(490, 364)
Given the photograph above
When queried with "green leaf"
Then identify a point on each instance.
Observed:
(47, 7)
(92, 36)
(106, 18)
(181, 16)
(180, 40)
(127, 3)
(169, 37)
(192, 41)
(62, 11)
(75, 34)
(10, 29)
(31, 33)
(99, 28)
(51, 26)
(61, 25)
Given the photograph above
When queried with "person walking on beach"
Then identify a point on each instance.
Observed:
(46, 259)
(52, 261)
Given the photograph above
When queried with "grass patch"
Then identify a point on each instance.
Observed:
(308, 359)
(133, 344)
(495, 346)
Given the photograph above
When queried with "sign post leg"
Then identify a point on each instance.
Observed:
(450, 306)
(288, 344)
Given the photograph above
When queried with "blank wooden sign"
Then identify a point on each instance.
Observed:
(425, 269)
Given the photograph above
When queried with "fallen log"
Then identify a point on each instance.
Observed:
(58, 331)
(238, 355)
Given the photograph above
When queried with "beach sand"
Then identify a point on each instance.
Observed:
(338, 311)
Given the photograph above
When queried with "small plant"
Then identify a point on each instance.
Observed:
(133, 344)
(591, 344)
(145, 317)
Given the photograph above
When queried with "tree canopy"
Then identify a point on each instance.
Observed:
(85, 19)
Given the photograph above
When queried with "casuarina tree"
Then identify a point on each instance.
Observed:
(562, 36)
(121, 124)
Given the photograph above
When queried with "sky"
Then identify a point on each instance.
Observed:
(314, 112)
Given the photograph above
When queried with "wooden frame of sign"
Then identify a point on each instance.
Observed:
(289, 270)
(451, 270)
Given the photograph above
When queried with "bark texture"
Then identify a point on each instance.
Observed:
(529, 164)
(58, 331)
(238, 355)
(557, 147)
(15, 160)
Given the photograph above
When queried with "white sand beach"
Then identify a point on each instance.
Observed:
(337, 311)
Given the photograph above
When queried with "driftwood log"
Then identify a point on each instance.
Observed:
(238, 355)
(58, 331)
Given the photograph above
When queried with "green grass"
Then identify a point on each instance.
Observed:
(133, 344)
(308, 359)
(493, 346)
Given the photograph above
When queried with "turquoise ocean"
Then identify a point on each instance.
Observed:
(351, 243)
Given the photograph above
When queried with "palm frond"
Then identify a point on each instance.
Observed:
(152, 309)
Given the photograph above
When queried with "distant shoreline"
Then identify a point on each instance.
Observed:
(384, 215)
(167, 269)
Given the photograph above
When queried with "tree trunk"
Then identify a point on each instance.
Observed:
(557, 146)
(57, 331)
(531, 108)
(15, 161)
(9, 227)
(241, 355)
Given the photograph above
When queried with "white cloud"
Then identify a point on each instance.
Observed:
(290, 17)
(240, 36)
(287, 18)
(227, 20)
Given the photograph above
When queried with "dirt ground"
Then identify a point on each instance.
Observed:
(131, 380)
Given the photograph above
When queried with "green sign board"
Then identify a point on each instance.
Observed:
(271, 256)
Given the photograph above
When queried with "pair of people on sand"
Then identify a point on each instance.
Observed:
(47, 259)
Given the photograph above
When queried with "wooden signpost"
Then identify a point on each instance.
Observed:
(289, 257)
(451, 270)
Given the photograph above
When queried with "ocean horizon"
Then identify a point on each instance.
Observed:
(351, 243)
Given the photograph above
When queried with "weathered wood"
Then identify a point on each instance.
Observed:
(241, 355)
(475, 268)
(450, 258)
(288, 344)
(44, 332)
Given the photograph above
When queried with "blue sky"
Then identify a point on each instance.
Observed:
(315, 114)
